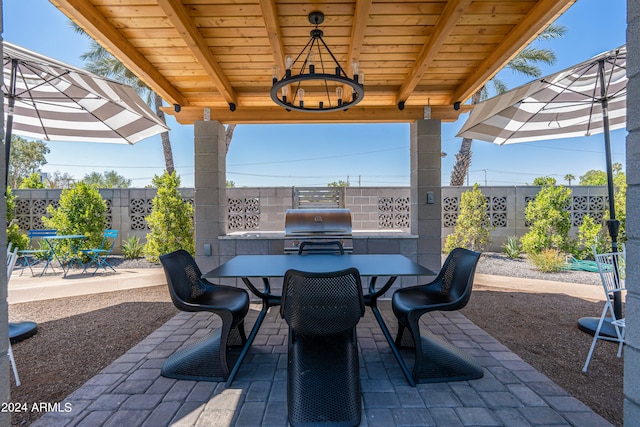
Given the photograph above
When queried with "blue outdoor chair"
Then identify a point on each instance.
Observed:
(33, 255)
(98, 256)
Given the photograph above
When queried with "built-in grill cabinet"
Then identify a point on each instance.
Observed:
(317, 228)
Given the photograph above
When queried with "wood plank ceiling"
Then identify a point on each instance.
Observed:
(213, 53)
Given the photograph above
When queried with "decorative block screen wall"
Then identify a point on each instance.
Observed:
(244, 213)
(393, 212)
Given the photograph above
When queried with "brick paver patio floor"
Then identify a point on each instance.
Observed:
(131, 392)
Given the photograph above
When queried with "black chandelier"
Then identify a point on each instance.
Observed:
(326, 89)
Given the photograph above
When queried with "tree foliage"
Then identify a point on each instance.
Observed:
(59, 180)
(544, 180)
(550, 220)
(170, 220)
(34, 180)
(14, 235)
(472, 227)
(26, 157)
(110, 179)
(81, 210)
(339, 183)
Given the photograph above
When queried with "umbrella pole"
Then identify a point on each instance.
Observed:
(612, 224)
(7, 134)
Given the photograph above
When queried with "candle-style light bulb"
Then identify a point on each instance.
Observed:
(274, 73)
(354, 67)
(288, 60)
(285, 90)
(339, 95)
(311, 60)
(301, 97)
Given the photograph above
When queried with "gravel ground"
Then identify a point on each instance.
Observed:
(500, 265)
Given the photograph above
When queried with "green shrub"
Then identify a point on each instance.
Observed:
(81, 210)
(548, 260)
(511, 247)
(590, 234)
(472, 226)
(170, 220)
(14, 235)
(132, 248)
(550, 220)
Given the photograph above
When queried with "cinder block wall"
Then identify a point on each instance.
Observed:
(632, 308)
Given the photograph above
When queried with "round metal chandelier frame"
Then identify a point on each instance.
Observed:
(280, 88)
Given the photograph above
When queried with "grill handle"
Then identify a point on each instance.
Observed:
(325, 247)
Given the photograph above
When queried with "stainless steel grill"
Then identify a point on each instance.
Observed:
(316, 228)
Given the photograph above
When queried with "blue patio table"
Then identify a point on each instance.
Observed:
(75, 241)
(247, 267)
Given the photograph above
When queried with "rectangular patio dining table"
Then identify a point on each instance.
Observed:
(247, 267)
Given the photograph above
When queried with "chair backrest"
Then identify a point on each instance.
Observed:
(322, 303)
(12, 257)
(456, 275)
(184, 279)
(38, 234)
(109, 240)
(612, 268)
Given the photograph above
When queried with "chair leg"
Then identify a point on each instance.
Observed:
(13, 365)
(596, 336)
(205, 360)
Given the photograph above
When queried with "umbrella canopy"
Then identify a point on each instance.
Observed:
(50, 100)
(562, 105)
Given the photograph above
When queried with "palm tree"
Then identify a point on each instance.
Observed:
(101, 62)
(569, 177)
(523, 63)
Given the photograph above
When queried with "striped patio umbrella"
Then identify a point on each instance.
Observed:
(588, 98)
(50, 100)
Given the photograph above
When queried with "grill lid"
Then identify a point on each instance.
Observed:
(318, 222)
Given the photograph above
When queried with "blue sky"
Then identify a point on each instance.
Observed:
(369, 155)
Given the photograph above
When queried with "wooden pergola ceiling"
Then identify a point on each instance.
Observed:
(208, 54)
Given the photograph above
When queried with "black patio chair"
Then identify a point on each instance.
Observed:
(206, 360)
(323, 375)
(436, 360)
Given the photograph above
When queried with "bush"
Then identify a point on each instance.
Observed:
(14, 235)
(472, 226)
(170, 220)
(548, 260)
(550, 220)
(511, 247)
(132, 248)
(590, 234)
(81, 210)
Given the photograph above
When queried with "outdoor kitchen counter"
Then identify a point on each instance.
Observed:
(364, 241)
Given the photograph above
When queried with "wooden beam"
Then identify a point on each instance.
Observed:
(360, 20)
(183, 23)
(541, 16)
(448, 20)
(274, 34)
(83, 13)
(277, 115)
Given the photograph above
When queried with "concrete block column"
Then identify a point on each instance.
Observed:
(632, 308)
(210, 186)
(426, 194)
